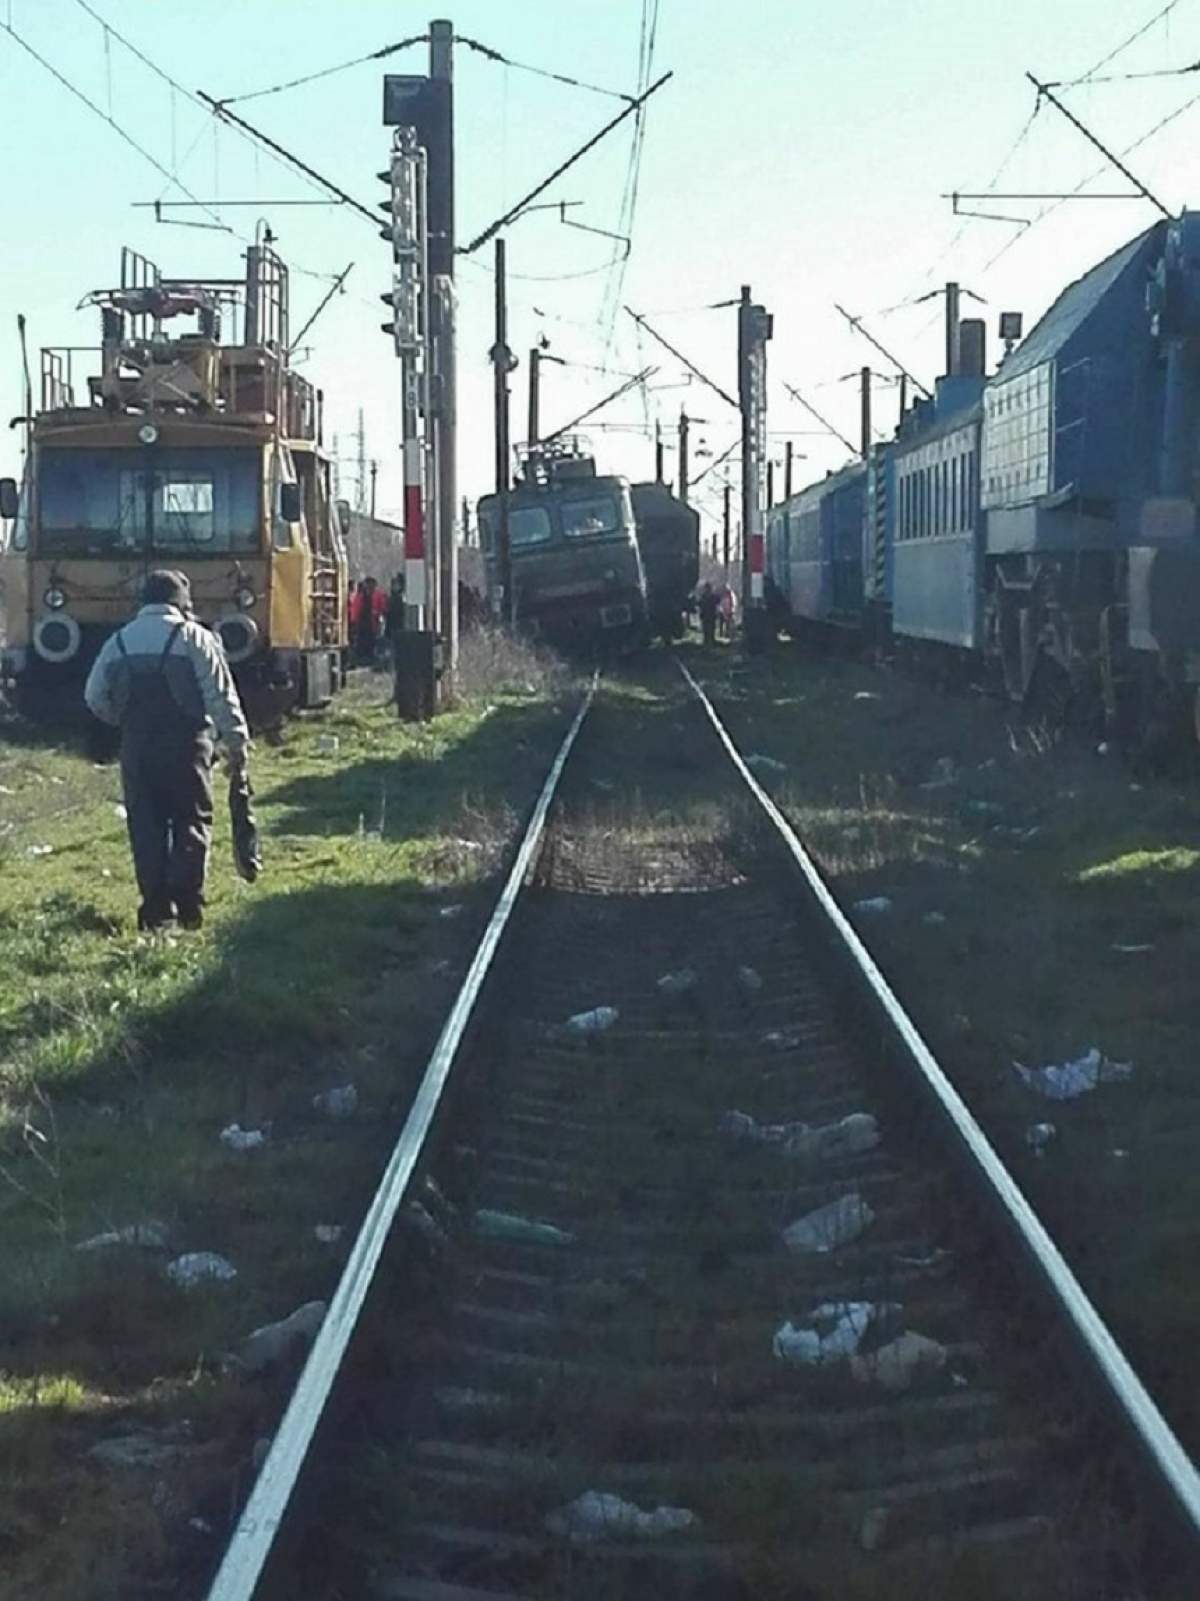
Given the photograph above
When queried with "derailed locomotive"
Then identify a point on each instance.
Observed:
(577, 574)
(1035, 529)
(669, 539)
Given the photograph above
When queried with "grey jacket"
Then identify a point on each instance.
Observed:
(196, 670)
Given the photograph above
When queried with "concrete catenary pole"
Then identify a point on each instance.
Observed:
(442, 314)
(864, 411)
(952, 299)
(788, 454)
(684, 422)
(535, 377)
(501, 367)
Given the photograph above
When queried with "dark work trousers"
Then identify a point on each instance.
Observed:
(166, 774)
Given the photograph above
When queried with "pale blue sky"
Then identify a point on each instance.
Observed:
(800, 147)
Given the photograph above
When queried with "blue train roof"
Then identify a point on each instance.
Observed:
(1076, 303)
(843, 478)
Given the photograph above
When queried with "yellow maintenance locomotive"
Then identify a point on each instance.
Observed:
(184, 452)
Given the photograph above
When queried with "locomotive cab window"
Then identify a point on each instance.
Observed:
(528, 525)
(599, 514)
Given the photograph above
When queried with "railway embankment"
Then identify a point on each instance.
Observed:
(165, 1105)
(1032, 900)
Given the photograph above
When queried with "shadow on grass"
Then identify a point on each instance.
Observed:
(415, 792)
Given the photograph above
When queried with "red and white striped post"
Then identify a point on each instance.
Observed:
(754, 329)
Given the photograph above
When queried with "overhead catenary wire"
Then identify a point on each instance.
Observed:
(122, 133)
(326, 72)
(491, 54)
(501, 222)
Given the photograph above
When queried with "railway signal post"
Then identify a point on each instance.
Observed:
(415, 655)
(754, 329)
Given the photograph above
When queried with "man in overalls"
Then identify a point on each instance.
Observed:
(164, 681)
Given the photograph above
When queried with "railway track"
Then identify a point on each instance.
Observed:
(668, 1355)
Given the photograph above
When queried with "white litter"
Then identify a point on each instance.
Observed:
(783, 1039)
(39, 850)
(242, 1139)
(900, 1364)
(148, 1236)
(829, 1227)
(1038, 1136)
(337, 1103)
(679, 982)
(596, 1021)
(327, 745)
(750, 980)
(264, 1347)
(848, 1137)
(1133, 950)
(934, 919)
(597, 1515)
(873, 1529)
(1063, 1081)
(121, 812)
(873, 906)
(866, 694)
(838, 1329)
(765, 764)
(329, 1233)
(200, 1267)
(450, 911)
(945, 773)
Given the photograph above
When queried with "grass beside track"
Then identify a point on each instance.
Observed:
(122, 1057)
(1043, 899)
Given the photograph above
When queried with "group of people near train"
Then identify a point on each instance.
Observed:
(716, 607)
(375, 614)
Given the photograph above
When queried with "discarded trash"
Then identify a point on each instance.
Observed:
(829, 1227)
(337, 1103)
(900, 1364)
(679, 982)
(450, 911)
(39, 850)
(765, 764)
(945, 773)
(923, 1259)
(518, 1230)
(873, 1529)
(934, 919)
(838, 1329)
(866, 694)
(200, 1267)
(848, 1137)
(1133, 950)
(327, 745)
(421, 1221)
(329, 1233)
(874, 906)
(750, 980)
(596, 1515)
(121, 812)
(267, 1345)
(1063, 1081)
(784, 1039)
(1038, 1136)
(242, 1139)
(1102, 748)
(148, 1236)
(596, 1021)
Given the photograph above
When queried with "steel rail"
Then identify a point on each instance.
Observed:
(251, 1541)
(1173, 1468)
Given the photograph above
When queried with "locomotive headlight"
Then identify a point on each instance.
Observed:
(246, 598)
(54, 599)
(148, 434)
